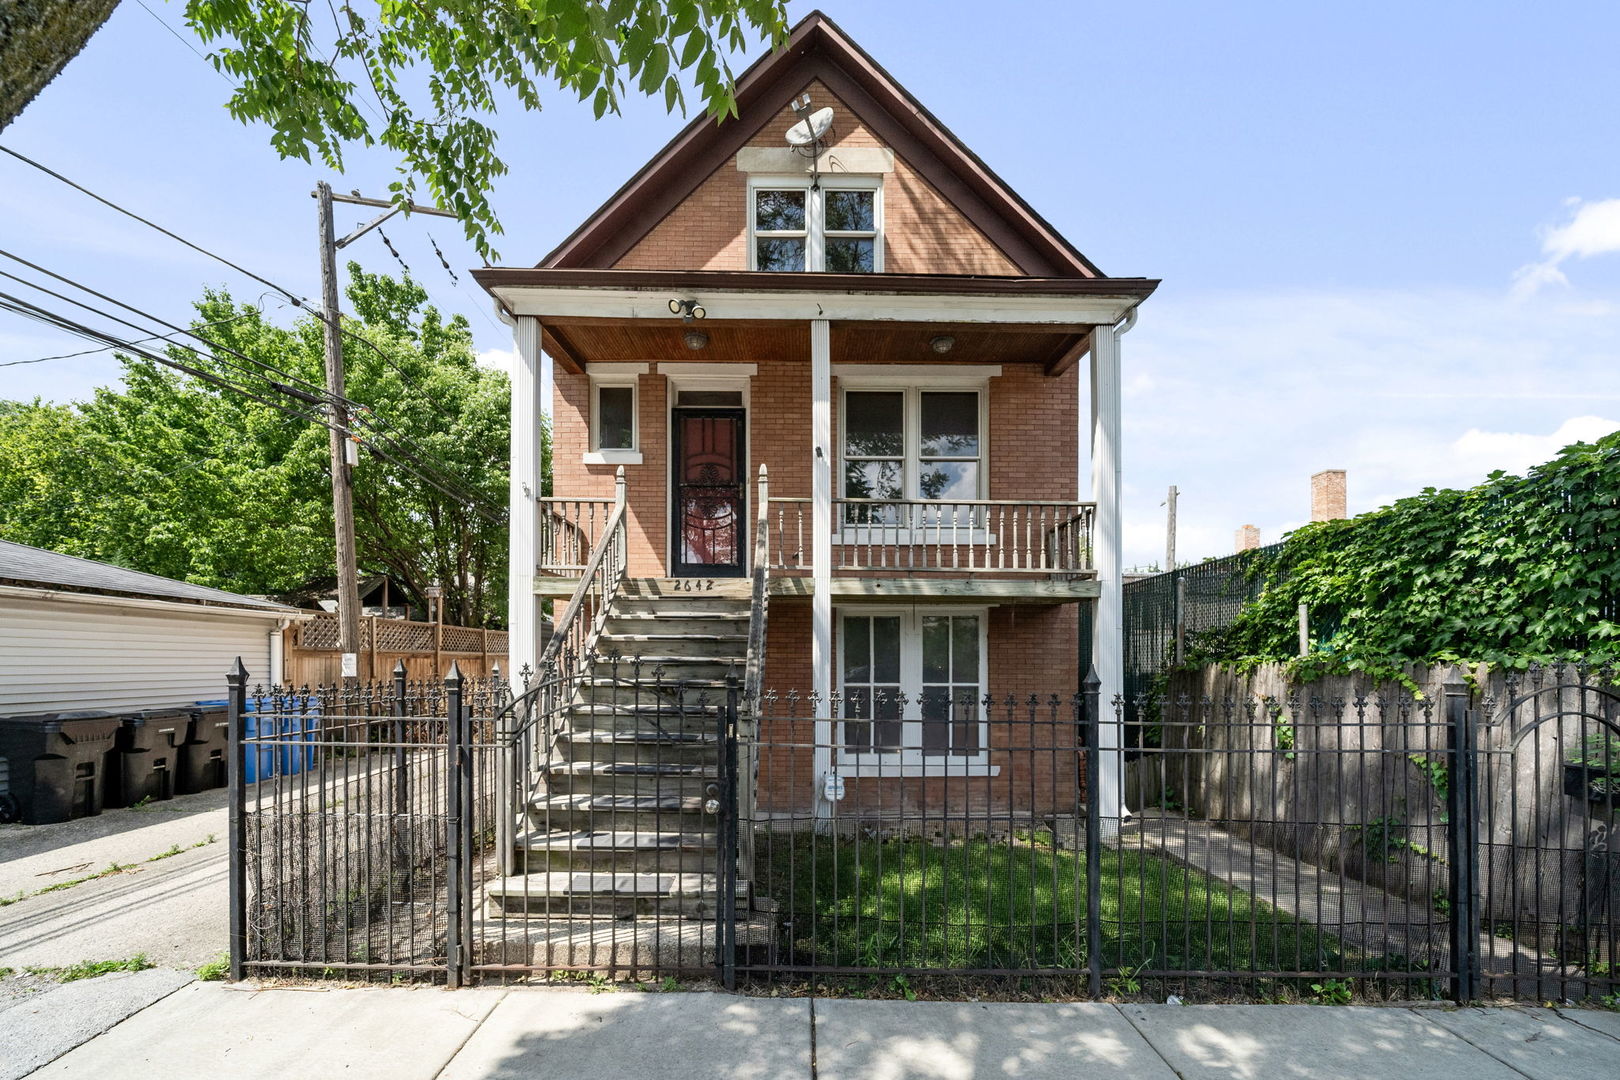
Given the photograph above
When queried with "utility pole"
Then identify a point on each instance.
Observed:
(345, 449)
(1170, 532)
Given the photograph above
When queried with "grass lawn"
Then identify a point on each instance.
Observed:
(976, 904)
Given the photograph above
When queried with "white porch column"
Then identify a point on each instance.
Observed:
(1108, 653)
(821, 523)
(522, 605)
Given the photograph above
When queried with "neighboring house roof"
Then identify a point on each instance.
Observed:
(817, 49)
(26, 566)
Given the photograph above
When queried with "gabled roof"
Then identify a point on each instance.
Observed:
(817, 49)
(32, 566)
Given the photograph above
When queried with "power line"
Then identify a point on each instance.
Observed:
(326, 316)
(182, 40)
(143, 314)
(288, 293)
(140, 341)
(443, 480)
(22, 307)
(301, 302)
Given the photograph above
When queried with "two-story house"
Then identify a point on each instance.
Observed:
(820, 381)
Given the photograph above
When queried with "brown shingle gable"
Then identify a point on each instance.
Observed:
(1015, 239)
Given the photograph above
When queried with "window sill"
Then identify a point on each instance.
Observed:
(966, 769)
(612, 457)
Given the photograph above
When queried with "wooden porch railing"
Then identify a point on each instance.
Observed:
(982, 536)
(569, 531)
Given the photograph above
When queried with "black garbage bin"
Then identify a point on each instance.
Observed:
(57, 763)
(203, 757)
(148, 755)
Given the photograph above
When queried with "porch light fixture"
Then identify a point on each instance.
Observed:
(695, 339)
(941, 343)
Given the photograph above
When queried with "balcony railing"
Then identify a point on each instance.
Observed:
(569, 530)
(926, 536)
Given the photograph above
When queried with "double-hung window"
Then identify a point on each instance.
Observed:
(833, 227)
(912, 444)
(911, 686)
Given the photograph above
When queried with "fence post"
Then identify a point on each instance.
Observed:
(453, 945)
(402, 779)
(726, 928)
(1463, 825)
(1093, 723)
(236, 682)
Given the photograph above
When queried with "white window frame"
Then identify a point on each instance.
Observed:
(910, 760)
(602, 375)
(815, 216)
(911, 457)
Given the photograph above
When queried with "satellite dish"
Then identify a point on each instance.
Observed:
(809, 131)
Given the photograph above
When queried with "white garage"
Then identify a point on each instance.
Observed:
(78, 634)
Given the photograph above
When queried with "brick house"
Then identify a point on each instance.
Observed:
(861, 315)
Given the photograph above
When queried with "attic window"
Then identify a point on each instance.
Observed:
(834, 228)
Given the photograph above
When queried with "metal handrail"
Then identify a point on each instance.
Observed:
(754, 672)
(539, 715)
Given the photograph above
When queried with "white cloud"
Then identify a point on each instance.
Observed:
(1515, 451)
(496, 359)
(1252, 393)
(1593, 229)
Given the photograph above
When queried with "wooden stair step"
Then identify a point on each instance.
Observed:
(640, 738)
(596, 679)
(562, 840)
(673, 613)
(670, 709)
(717, 639)
(632, 804)
(651, 769)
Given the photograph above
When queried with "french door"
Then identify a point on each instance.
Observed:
(911, 683)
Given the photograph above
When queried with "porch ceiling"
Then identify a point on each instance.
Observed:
(577, 343)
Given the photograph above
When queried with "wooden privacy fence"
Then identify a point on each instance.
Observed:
(312, 655)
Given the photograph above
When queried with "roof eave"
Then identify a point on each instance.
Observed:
(631, 212)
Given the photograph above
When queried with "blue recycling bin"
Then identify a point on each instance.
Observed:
(290, 722)
(260, 760)
(300, 727)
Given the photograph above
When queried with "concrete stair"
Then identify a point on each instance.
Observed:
(620, 826)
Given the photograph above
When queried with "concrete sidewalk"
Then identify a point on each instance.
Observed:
(207, 1029)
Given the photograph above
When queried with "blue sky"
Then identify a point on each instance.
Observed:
(1389, 233)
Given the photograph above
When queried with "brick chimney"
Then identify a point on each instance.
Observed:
(1327, 495)
(1247, 538)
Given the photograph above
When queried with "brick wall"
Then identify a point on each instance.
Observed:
(1032, 441)
(1033, 649)
(923, 232)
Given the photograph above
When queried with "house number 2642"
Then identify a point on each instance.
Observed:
(693, 585)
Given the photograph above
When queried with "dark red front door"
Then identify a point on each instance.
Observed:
(710, 468)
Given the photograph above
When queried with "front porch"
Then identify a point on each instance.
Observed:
(995, 550)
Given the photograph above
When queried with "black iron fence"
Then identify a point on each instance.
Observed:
(1166, 613)
(1374, 845)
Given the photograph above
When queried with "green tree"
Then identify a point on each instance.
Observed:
(175, 476)
(422, 80)
(1514, 570)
